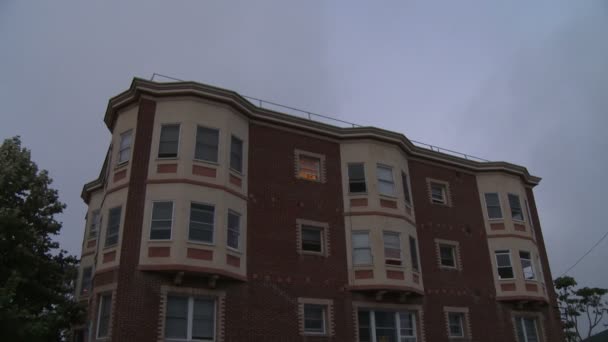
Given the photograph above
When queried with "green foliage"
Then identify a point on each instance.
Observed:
(36, 279)
(579, 305)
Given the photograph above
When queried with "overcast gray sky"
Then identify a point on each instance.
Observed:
(521, 81)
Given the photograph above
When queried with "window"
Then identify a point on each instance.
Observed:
(312, 239)
(201, 222)
(169, 141)
(124, 152)
(94, 224)
(381, 326)
(503, 263)
(414, 254)
(309, 167)
(392, 248)
(207, 143)
(103, 315)
(447, 256)
(438, 193)
(516, 212)
(85, 283)
(315, 319)
(455, 324)
(356, 178)
(113, 226)
(362, 253)
(236, 154)
(493, 206)
(234, 230)
(162, 220)
(189, 319)
(406, 189)
(526, 329)
(386, 185)
(526, 265)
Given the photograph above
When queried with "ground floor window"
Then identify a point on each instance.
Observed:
(387, 326)
(527, 329)
(189, 319)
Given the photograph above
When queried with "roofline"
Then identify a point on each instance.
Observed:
(144, 87)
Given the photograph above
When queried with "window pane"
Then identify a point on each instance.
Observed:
(162, 214)
(105, 311)
(311, 239)
(162, 210)
(386, 326)
(516, 212)
(207, 142)
(406, 188)
(503, 260)
(505, 272)
(201, 213)
(364, 328)
(203, 319)
(169, 138)
(360, 240)
(314, 316)
(455, 324)
(362, 256)
(530, 327)
(85, 284)
(447, 256)
(406, 324)
(201, 222)
(520, 329)
(176, 317)
(493, 205)
(385, 173)
(392, 246)
(414, 253)
(113, 226)
(200, 232)
(526, 265)
(386, 188)
(125, 140)
(234, 230)
(437, 193)
(236, 154)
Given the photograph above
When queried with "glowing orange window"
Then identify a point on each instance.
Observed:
(309, 168)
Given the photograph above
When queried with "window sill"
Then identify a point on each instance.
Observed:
(314, 334)
(358, 194)
(237, 172)
(393, 197)
(518, 221)
(500, 219)
(308, 179)
(398, 267)
(231, 250)
(160, 240)
(507, 279)
(448, 268)
(202, 243)
(121, 165)
(161, 159)
(110, 248)
(311, 253)
(201, 161)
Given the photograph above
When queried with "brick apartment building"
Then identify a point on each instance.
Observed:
(214, 219)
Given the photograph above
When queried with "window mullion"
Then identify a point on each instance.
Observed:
(190, 318)
(398, 325)
(372, 324)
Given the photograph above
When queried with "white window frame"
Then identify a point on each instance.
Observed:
(385, 181)
(503, 252)
(218, 144)
(122, 148)
(179, 135)
(189, 325)
(238, 247)
(521, 208)
(105, 244)
(94, 224)
(321, 231)
(152, 220)
(357, 181)
(453, 250)
(407, 192)
(324, 316)
(461, 318)
(413, 245)
(213, 233)
(232, 136)
(444, 194)
(318, 170)
(487, 206)
(101, 301)
(519, 320)
(400, 259)
(369, 247)
(530, 260)
(372, 322)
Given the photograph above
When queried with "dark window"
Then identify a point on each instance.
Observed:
(438, 193)
(406, 188)
(455, 323)
(364, 327)
(414, 254)
(176, 317)
(526, 329)
(201, 222)
(447, 255)
(113, 226)
(182, 310)
(124, 152)
(503, 263)
(169, 141)
(314, 318)
(526, 265)
(493, 205)
(515, 204)
(103, 319)
(94, 226)
(85, 284)
(162, 219)
(207, 142)
(312, 239)
(234, 229)
(236, 154)
(356, 178)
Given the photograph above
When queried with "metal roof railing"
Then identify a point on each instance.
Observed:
(332, 121)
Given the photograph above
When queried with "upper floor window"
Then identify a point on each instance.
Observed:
(406, 189)
(103, 315)
(503, 263)
(380, 326)
(85, 283)
(356, 178)
(526, 265)
(386, 184)
(516, 211)
(169, 141)
(456, 324)
(234, 230)
(315, 319)
(312, 239)
(362, 252)
(236, 154)
(207, 143)
(447, 254)
(527, 330)
(124, 152)
(190, 319)
(94, 223)
(493, 205)
(309, 167)
(414, 254)
(438, 193)
(202, 217)
(392, 248)
(162, 220)
(113, 227)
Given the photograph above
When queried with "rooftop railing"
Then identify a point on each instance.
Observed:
(330, 121)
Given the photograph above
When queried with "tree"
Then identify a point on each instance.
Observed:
(586, 302)
(36, 278)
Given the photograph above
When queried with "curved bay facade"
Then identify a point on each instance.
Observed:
(215, 220)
